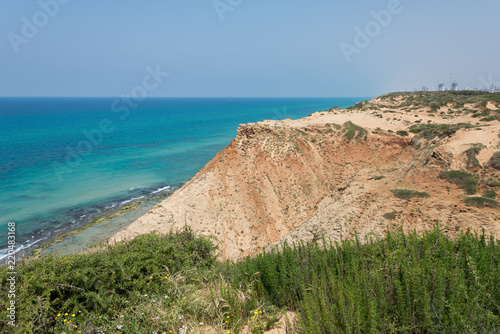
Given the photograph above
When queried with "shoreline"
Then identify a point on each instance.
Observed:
(185, 135)
(98, 230)
(95, 215)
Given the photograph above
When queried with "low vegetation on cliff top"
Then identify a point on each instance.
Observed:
(174, 284)
(455, 99)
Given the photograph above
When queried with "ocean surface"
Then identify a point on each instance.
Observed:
(66, 160)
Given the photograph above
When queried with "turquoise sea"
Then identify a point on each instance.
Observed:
(66, 160)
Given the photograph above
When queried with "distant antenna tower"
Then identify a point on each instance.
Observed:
(453, 84)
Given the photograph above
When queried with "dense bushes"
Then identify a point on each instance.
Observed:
(102, 282)
(399, 284)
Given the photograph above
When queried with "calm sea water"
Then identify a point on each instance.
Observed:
(65, 160)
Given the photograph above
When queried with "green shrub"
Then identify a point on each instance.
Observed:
(464, 180)
(402, 133)
(480, 114)
(495, 161)
(390, 215)
(407, 194)
(359, 105)
(160, 283)
(430, 131)
(400, 284)
(102, 283)
(481, 202)
(471, 154)
(490, 118)
(492, 183)
(490, 194)
(353, 131)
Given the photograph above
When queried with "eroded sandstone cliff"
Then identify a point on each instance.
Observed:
(334, 174)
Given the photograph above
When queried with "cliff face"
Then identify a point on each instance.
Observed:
(322, 175)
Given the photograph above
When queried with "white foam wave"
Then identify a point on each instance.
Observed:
(132, 199)
(161, 189)
(5, 252)
(137, 187)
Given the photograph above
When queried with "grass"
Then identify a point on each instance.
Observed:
(106, 284)
(464, 180)
(390, 215)
(481, 202)
(472, 153)
(408, 194)
(436, 100)
(492, 183)
(353, 131)
(376, 178)
(430, 131)
(490, 118)
(173, 283)
(490, 194)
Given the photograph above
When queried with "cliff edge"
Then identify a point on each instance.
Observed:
(386, 163)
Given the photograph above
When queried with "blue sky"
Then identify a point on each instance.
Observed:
(260, 48)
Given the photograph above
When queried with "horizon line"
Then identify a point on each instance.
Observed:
(190, 97)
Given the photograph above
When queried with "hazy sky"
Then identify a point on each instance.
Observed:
(245, 48)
